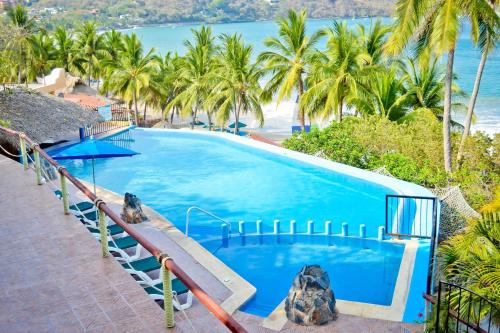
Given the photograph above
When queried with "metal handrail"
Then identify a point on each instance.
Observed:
(163, 258)
(446, 287)
(188, 214)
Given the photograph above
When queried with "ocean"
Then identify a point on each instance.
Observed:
(171, 38)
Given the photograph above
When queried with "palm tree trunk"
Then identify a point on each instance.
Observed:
(447, 112)
(172, 116)
(236, 119)
(472, 104)
(339, 118)
(90, 70)
(136, 113)
(209, 115)
(237, 116)
(300, 92)
(144, 115)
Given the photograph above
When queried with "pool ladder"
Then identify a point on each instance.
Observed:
(188, 214)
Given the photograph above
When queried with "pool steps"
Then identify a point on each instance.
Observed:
(226, 229)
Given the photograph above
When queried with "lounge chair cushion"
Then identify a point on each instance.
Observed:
(177, 286)
(82, 206)
(124, 242)
(89, 216)
(145, 265)
(114, 229)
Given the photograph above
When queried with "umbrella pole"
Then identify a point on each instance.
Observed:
(93, 175)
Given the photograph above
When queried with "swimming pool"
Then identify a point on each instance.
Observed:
(238, 182)
(360, 270)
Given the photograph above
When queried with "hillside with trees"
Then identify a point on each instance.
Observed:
(119, 13)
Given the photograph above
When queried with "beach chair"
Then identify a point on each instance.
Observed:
(117, 246)
(178, 288)
(147, 264)
(90, 216)
(296, 129)
(154, 288)
(82, 207)
(90, 220)
(121, 243)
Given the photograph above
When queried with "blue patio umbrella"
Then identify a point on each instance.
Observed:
(91, 149)
(240, 125)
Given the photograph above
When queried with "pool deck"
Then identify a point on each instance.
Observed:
(53, 278)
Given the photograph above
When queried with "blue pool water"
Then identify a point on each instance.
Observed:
(176, 170)
(360, 270)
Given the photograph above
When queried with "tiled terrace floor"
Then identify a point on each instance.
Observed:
(53, 279)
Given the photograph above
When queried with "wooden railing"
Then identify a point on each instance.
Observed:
(168, 263)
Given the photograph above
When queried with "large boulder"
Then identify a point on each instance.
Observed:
(310, 300)
(132, 211)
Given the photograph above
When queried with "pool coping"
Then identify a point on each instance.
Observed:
(241, 290)
(394, 312)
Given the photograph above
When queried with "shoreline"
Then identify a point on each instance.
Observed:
(195, 23)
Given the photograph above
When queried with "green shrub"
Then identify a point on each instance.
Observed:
(410, 151)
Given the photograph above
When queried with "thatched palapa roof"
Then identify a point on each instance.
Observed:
(44, 118)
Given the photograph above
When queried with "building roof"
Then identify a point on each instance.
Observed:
(44, 118)
(86, 100)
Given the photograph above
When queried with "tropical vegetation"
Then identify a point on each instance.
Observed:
(385, 80)
(382, 89)
(470, 259)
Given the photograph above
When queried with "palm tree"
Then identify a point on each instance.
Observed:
(436, 25)
(385, 97)
(195, 72)
(470, 259)
(487, 44)
(168, 83)
(18, 16)
(372, 41)
(424, 86)
(133, 71)
(114, 43)
(238, 89)
(288, 59)
(66, 55)
(92, 47)
(337, 73)
(43, 53)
